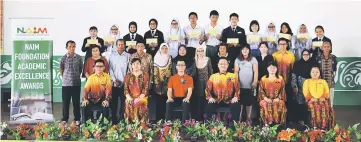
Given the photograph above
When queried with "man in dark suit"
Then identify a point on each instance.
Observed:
(320, 33)
(234, 31)
(152, 48)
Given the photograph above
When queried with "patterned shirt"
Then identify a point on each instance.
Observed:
(146, 60)
(135, 86)
(315, 89)
(285, 63)
(97, 86)
(222, 87)
(272, 89)
(72, 67)
(161, 77)
(328, 68)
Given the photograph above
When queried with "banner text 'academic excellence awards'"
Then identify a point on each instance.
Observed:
(31, 95)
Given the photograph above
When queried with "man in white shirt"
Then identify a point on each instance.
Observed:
(213, 33)
(194, 35)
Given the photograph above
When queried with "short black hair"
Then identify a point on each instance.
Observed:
(193, 13)
(263, 42)
(287, 41)
(99, 61)
(69, 41)
(135, 60)
(214, 12)
(223, 44)
(272, 63)
(155, 20)
(327, 41)
(319, 27)
(253, 22)
(181, 59)
(119, 40)
(233, 14)
(93, 28)
(221, 58)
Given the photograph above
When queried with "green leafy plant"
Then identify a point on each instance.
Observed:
(194, 128)
(217, 131)
(169, 131)
(95, 131)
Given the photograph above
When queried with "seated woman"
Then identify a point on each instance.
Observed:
(316, 93)
(136, 87)
(97, 90)
(272, 97)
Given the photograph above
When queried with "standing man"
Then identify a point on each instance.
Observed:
(234, 36)
(118, 64)
(213, 35)
(70, 70)
(194, 35)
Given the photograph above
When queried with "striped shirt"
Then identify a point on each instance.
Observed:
(72, 67)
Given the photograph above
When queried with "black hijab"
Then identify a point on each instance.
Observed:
(136, 26)
(188, 60)
(303, 68)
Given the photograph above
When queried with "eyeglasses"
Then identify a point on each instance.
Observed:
(99, 66)
(271, 26)
(174, 23)
(200, 51)
(114, 29)
(282, 44)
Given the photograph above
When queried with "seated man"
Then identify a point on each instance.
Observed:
(97, 91)
(223, 90)
(180, 88)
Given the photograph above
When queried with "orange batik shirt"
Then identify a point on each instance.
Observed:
(135, 86)
(222, 87)
(285, 63)
(272, 89)
(97, 87)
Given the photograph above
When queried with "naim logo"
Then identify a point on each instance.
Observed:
(34, 31)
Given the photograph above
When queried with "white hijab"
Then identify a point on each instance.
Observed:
(299, 27)
(173, 31)
(161, 60)
(268, 33)
(201, 61)
(114, 36)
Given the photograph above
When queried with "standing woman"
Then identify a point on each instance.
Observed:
(254, 38)
(93, 31)
(162, 73)
(302, 41)
(136, 85)
(132, 36)
(301, 72)
(270, 37)
(174, 37)
(111, 46)
(204, 71)
(246, 67)
(263, 60)
(153, 33)
(90, 62)
(287, 31)
(190, 65)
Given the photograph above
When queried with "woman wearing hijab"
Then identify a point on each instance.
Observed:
(204, 71)
(132, 36)
(286, 32)
(174, 37)
(114, 33)
(153, 33)
(270, 37)
(190, 65)
(301, 72)
(162, 73)
(302, 41)
(254, 38)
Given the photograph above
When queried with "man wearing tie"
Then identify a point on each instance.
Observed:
(132, 36)
(320, 33)
(153, 33)
(234, 31)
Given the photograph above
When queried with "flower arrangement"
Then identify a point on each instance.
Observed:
(194, 128)
(95, 131)
(170, 130)
(67, 132)
(21, 132)
(139, 131)
(265, 134)
(288, 135)
(341, 135)
(4, 130)
(240, 129)
(217, 131)
(45, 131)
(118, 133)
(312, 135)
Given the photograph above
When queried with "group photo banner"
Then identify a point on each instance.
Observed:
(31, 86)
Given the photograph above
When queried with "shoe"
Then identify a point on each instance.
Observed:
(64, 122)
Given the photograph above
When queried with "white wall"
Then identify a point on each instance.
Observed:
(72, 19)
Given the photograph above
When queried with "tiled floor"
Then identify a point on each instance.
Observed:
(345, 116)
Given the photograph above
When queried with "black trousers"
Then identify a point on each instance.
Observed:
(92, 109)
(117, 92)
(198, 103)
(71, 93)
(177, 102)
(157, 107)
(291, 104)
(191, 52)
(235, 109)
(301, 113)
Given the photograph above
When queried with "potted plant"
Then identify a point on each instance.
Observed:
(266, 133)
(194, 129)
(138, 131)
(169, 131)
(95, 131)
(4, 130)
(68, 132)
(337, 134)
(21, 132)
(312, 135)
(217, 131)
(288, 135)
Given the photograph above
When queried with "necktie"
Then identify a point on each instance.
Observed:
(153, 32)
(234, 29)
(319, 39)
(132, 36)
